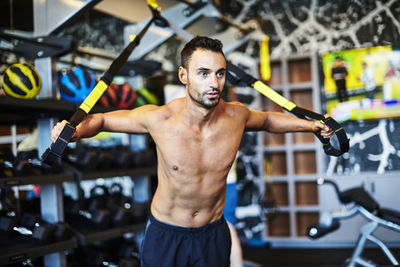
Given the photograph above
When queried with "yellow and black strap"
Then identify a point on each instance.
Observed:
(54, 152)
(237, 74)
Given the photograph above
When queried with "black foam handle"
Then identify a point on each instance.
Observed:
(334, 125)
(54, 152)
(344, 144)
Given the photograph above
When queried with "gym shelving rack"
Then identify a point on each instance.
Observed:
(18, 111)
(22, 111)
(293, 161)
(43, 112)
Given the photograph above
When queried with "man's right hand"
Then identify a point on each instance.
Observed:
(57, 130)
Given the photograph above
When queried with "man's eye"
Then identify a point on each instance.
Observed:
(202, 73)
(220, 74)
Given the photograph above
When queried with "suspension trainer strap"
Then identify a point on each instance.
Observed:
(236, 74)
(54, 152)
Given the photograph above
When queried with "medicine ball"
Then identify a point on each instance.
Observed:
(120, 96)
(21, 81)
(144, 96)
(76, 84)
(126, 96)
(109, 98)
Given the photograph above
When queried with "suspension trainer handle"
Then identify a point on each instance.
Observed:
(238, 74)
(54, 151)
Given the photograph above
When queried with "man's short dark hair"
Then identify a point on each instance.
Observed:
(199, 42)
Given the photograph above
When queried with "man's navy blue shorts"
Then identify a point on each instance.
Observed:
(169, 245)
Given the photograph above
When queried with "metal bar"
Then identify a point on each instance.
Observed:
(384, 248)
(51, 194)
(14, 139)
(37, 41)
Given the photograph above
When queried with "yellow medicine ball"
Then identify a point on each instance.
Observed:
(21, 81)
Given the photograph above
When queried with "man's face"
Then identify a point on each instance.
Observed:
(204, 77)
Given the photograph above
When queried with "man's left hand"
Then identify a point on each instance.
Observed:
(322, 129)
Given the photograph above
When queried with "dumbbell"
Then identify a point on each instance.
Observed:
(32, 205)
(112, 199)
(99, 158)
(128, 250)
(24, 164)
(98, 197)
(40, 234)
(116, 196)
(79, 215)
(97, 258)
(139, 159)
(62, 231)
(83, 157)
(140, 211)
(120, 206)
(6, 159)
(27, 163)
(104, 158)
(122, 157)
(32, 225)
(86, 256)
(8, 200)
(145, 158)
(121, 250)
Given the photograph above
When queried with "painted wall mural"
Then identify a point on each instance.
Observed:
(304, 26)
(374, 147)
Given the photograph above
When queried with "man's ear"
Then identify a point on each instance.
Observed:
(182, 74)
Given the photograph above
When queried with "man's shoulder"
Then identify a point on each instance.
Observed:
(166, 111)
(236, 108)
(236, 105)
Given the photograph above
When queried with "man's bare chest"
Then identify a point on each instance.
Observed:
(213, 149)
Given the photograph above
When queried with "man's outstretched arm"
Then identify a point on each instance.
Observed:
(126, 121)
(279, 122)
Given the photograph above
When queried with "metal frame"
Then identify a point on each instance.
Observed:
(177, 15)
(366, 233)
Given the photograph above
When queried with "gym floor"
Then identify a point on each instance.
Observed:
(295, 257)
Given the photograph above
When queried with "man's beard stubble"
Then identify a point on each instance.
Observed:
(203, 101)
(202, 98)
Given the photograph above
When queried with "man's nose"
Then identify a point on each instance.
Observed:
(214, 81)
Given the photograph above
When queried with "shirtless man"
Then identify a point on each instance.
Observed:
(197, 138)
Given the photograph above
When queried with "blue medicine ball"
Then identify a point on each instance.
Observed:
(76, 84)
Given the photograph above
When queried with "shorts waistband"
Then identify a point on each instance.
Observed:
(166, 226)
